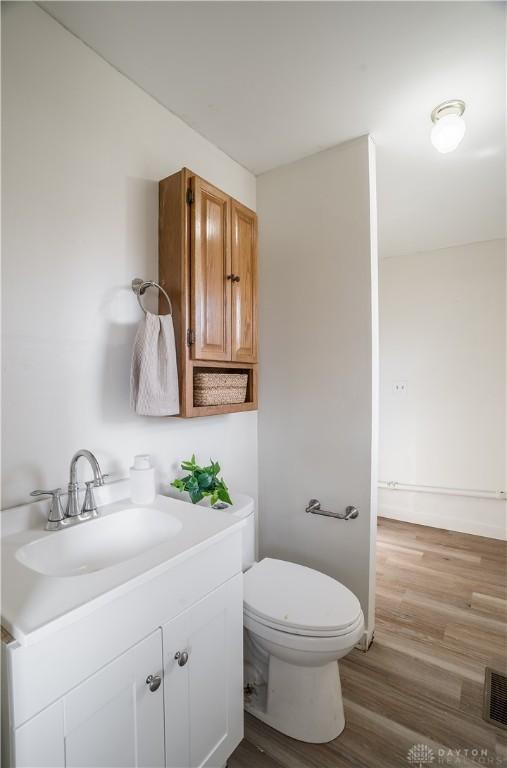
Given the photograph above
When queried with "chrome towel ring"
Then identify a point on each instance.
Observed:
(139, 287)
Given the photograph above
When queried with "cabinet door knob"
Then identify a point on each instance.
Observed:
(153, 681)
(181, 657)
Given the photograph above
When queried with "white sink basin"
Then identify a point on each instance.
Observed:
(99, 543)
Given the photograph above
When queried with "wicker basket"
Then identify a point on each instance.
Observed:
(220, 388)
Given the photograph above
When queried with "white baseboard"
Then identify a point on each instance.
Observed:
(481, 517)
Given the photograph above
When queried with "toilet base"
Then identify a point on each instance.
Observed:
(304, 703)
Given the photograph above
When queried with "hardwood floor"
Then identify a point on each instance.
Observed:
(441, 619)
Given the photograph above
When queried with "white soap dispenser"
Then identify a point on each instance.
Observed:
(142, 480)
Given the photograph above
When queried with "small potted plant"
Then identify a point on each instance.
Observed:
(202, 482)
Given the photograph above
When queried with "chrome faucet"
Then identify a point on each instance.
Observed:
(89, 507)
(57, 518)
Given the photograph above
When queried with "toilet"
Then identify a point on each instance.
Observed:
(298, 623)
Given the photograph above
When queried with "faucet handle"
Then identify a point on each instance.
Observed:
(54, 492)
(89, 508)
(97, 482)
(56, 515)
(103, 478)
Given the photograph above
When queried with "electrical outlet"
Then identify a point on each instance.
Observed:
(400, 387)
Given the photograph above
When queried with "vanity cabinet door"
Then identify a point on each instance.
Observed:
(40, 741)
(203, 689)
(244, 287)
(113, 719)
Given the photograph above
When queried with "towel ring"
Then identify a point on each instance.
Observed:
(139, 287)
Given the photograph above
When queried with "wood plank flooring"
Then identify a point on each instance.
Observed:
(441, 619)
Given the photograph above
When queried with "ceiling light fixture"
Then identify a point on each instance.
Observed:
(448, 125)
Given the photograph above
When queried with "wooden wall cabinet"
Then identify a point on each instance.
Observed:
(208, 266)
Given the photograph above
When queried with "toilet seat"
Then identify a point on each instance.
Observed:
(309, 643)
(292, 599)
(252, 618)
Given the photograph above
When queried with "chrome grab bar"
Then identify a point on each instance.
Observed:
(314, 508)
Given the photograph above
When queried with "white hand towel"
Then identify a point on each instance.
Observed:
(154, 374)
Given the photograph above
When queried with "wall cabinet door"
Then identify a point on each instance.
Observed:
(203, 689)
(244, 286)
(210, 272)
(113, 719)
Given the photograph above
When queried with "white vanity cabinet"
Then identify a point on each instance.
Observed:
(81, 696)
(116, 719)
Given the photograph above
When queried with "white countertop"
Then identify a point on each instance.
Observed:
(33, 604)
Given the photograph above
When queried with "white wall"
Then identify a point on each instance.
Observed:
(443, 333)
(83, 150)
(316, 419)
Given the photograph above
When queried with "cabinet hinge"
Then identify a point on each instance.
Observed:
(190, 337)
(190, 196)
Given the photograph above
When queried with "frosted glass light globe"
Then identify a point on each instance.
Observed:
(447, 133)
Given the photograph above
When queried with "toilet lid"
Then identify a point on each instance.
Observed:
(289, 597)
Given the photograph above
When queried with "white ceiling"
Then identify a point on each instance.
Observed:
(270, 82)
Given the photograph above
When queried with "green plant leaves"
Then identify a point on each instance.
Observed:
(189, 466)
(223, 492)
(205, 480)
(202, 482)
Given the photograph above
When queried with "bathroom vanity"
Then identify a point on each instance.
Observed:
(126, 645)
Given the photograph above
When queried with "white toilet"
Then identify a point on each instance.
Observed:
(298, 622)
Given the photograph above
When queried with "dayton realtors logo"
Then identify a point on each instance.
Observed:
(421, 756)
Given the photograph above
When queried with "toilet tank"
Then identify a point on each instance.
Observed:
(243, 508)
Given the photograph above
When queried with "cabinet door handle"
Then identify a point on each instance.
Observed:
(153, 681)
(181, 657)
